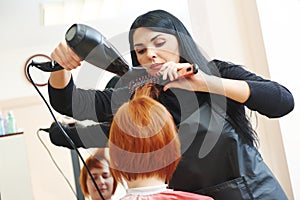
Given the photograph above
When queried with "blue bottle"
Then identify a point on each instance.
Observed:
(2, 125)
(11, 123)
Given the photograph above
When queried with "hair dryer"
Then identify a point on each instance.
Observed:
(91, 46)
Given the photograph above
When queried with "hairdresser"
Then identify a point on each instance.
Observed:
(220, 158)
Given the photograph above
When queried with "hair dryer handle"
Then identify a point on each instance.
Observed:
(46, 66)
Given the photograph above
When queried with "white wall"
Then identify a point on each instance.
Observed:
(46, 181)
(280, 21)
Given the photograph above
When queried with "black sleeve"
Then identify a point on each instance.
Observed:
(93, 136)
(267, 97)
(61, 99)
(82, 104)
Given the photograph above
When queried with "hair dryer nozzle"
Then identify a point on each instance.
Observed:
(83, 39)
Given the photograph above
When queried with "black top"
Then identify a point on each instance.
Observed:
(213, 151)
(267, 97)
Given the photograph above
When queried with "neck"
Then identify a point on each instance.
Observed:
(145, 182)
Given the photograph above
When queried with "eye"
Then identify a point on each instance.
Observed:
(160, 43)
(140, 51)
(95, 177)
(106, 175)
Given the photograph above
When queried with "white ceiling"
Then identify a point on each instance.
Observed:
(22, 21)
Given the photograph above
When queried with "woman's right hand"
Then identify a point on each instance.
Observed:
(65, 56)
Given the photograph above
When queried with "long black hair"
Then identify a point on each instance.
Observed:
(162, 21)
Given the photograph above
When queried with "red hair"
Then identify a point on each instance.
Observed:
(143, 140)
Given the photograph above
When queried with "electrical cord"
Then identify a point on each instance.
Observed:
(55, 163)
(63, 131)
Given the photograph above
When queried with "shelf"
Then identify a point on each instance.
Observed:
(11, 134)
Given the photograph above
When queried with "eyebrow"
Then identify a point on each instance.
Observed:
(140, 44)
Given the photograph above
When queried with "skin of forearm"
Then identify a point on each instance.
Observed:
(237, 90)
(60, 79)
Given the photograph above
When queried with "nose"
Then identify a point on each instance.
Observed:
(101, 180)
(151, 53)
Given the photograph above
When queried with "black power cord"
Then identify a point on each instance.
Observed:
(63, 131)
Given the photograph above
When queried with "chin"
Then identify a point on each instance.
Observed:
(153, 73)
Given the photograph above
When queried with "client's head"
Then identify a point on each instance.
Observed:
(143, 141)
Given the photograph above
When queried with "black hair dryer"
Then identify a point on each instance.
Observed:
(91, 46)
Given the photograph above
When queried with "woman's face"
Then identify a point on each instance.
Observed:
(104, 181)
(154, 49)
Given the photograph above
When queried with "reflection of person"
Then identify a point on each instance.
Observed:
(98, 164)
(144, 148)
(220, 158)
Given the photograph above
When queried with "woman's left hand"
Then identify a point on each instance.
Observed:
(194, 82)
(169, 70)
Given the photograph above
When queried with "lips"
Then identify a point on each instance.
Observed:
(156, 66)
(103, 190)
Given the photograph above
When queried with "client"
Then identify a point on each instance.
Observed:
(98, 164)
(144, 149)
